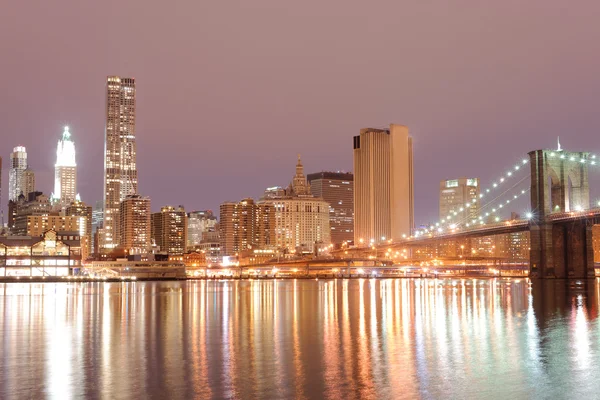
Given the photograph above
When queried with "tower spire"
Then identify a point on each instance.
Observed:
(559, 148)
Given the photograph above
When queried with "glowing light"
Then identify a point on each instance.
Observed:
(578, 208)
(529, 215)
(524, 161)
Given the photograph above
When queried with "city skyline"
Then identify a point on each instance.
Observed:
(453, 106)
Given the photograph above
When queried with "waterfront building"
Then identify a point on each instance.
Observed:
(65, 170)
(134, 224)
(53, 253)
(237, 226)
(169, 229)
(459, 200)
(298, 221)
(383, 184)
(21, 179)
(200, 223)
(120, 170)
(83, 213)
(337, 189)
(97, 216)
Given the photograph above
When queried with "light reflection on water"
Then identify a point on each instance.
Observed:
(332, 339)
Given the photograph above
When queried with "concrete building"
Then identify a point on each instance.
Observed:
(134, 225)
(169, 229)
(120, 170)
(237, 226)
(65, 170)
(21, 179)
(455, 194)
(83, 212)
(199, 224)
(337, 189)
(383, 184)
(298, 222)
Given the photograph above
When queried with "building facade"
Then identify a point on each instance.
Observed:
(78, 209)
(200, 223)
(120, 170)
(169, 229)
(135, 226)
(337, 189)
(50, 254)
(298, 221)
(65, 170)
(459, 200)
(383, 184)
(19, 181)
(237, 226)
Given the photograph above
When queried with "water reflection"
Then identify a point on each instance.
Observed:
(365, 338)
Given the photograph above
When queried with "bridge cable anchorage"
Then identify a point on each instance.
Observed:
(512, 172)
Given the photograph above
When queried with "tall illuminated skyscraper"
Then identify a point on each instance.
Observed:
(18, 181)
(120, 171)
(65, 170)
(383, 184)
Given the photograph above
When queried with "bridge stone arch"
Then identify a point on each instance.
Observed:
(559, 181)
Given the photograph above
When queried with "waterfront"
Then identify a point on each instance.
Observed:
(360, 338)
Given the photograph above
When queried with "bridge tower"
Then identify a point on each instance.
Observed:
(559, 184)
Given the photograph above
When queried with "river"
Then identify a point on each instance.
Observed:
(282, 339)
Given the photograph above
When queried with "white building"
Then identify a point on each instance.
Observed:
(65, 170)
(19, 180)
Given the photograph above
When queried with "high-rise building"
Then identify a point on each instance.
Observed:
(383, 184)
(120, 171)
(135, 227)
(199, 224)
(83, 212)
(65, 171)
(337, 189)
(459, 200)
(29, 181)
(16, 175)
(169, 229)
(237, 226)
(298, 221)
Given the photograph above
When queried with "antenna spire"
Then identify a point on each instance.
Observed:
(559, 148)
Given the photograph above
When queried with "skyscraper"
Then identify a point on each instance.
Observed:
(16, 173)
(65, 171)
(199, 224)
(460, 197)
(296, 221)
(337, 189)
(120, 171)
(383, 184)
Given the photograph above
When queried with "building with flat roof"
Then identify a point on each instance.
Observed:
(337, 189)
(383, 184)
(169, 229)
(459, 200)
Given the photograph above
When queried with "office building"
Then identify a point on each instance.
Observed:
(21, 180)
(337, 189)
(169, 229)
(200, 223)
(65, 171)
(459, 200)
(135, 226)
(120, 171)
(383, 184)
(297, 221)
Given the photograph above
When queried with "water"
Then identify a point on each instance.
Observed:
(385, 339)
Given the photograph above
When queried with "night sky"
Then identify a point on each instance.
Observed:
(228, 92)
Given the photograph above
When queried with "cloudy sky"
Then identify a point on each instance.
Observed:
(228, 92)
